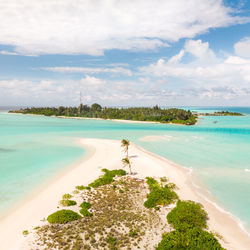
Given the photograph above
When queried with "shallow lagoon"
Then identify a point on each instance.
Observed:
(35, 148)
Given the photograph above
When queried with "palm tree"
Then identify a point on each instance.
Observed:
(127, 162)
(125, 144)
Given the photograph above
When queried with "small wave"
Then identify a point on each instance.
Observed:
(247, 170)
(241, 224)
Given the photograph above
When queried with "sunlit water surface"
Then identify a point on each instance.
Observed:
(35, 148)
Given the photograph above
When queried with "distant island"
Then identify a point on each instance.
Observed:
(222, 113)
(154, 114)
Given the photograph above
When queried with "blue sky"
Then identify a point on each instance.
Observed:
(125, 53)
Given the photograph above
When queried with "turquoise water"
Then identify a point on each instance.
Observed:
(34, 148)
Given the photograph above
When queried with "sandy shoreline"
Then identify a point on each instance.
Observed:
(108, 154)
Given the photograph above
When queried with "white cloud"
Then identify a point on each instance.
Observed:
(90, 70)
(5, 52)
(205, 68)
(200, 50)
(177, 58)
(207, 76)
(242, 48)
(90, 27)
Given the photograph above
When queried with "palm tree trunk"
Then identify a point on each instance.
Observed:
(130, 168)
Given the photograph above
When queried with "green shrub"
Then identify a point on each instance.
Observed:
(85, 205)
(85, 212)
(82, 187)
(67, 203)
(164, 179)
(133, 233)
(159, 195)
(186, 215)
(192, 239)
(107, 178)
(63, 216)
(66, 196)
(25, 232)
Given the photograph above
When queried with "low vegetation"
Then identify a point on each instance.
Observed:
(66, 196)
(159, 194)
(82, 187)
(120, 218)
(25, 232)
(67, 203)
(119, 221)
(107, 178)
(187, 215)
(84, 211)
(156, 114)
(189, 220)
(192, 239)
(63, 216)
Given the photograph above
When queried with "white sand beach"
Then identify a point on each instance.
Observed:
(108, 154)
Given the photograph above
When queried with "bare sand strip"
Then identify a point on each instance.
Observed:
(108, 154)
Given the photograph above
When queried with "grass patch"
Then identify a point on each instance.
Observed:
(107, 178)
(67, 203)
(159, 195)
(63, 216)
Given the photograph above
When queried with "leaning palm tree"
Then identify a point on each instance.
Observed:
(125, 144)
(127, 162)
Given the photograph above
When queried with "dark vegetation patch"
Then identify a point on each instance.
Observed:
(107, 178)
(67, 203)
(187, 215)
(63, 216)
(155, 113)
(189, 220)
(192, 239)
(159, 194)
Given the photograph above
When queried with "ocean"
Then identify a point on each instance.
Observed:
(34, 149)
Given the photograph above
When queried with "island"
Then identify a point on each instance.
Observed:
(222, 113)
(149, 114)
(125, 210)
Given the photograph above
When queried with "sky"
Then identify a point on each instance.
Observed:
(125, 53)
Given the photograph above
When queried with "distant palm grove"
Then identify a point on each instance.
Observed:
(155, 114)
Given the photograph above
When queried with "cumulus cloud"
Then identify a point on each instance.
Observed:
(90, 27)
(90, 70)
(205, 68)
(93, 89)
(208, 76)
(200, 50)
(242, 48)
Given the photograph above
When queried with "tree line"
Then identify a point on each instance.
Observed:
(155, 114)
